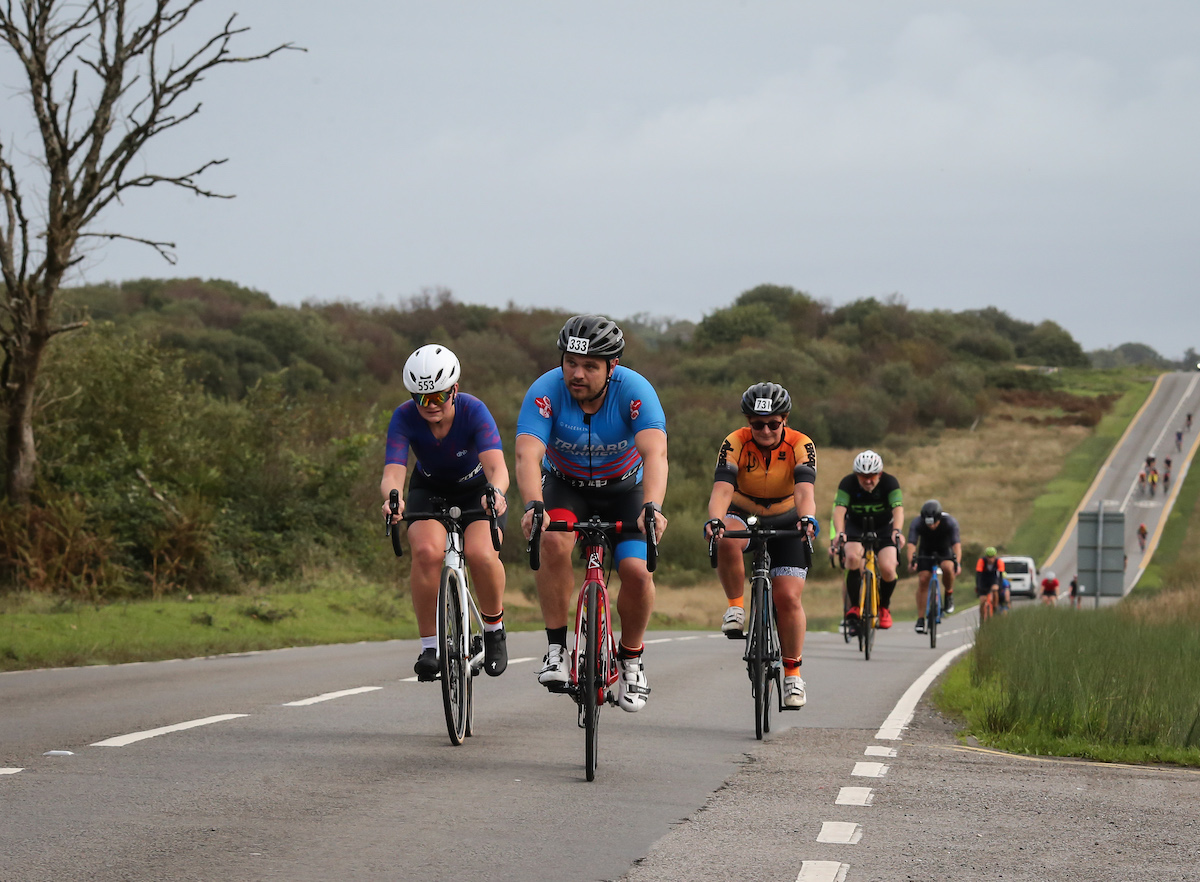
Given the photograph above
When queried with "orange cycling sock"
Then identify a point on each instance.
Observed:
(739, 602)
(791, 667)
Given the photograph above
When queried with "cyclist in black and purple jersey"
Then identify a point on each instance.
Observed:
(934, 540)
(458, 454)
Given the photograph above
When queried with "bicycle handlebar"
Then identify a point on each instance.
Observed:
(592, 529)
(762, 534)
(450, 517)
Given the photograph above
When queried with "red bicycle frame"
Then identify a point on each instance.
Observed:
(607, 668)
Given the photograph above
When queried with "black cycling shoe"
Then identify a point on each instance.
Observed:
(495, 652)
(948, 606)
(426, 667)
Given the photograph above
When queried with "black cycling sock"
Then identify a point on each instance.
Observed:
(885, 593)
(557, 635)
(853, 586)
(625, 652)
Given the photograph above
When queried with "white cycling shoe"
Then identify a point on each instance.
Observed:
(553, 674)
(793, 692)
(733, 625)
(632, 690)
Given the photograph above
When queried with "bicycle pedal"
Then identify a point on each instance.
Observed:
(559, 688)
(476, 670)
(735, 635)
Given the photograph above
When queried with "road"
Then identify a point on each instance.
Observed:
(1152, 432)
(366, 785)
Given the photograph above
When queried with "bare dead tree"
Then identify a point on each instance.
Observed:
(104, 78)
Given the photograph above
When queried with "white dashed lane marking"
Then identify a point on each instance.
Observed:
(869, 770)
(855, 796)
(329, 696)
(123, 740)
(877, 750)
(10, 771)
(840, 832)
(822, 871)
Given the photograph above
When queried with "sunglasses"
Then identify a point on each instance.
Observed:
(759, 425)
(432, 399)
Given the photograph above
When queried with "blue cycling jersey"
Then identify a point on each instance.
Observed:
(599, 447)
(453, 459)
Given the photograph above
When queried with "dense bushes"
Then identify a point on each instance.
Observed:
(199, 435)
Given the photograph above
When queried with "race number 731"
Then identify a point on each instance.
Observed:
(578, 345)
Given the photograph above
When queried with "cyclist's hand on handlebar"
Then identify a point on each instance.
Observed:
(898, 539)
(387, 511)
(714, 528)
(527, 524)
(810, 526)
(660, 524)
(501, 503)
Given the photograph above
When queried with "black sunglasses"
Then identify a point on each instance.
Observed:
(759, 425)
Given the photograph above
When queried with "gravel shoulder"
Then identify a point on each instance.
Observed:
(942, 810)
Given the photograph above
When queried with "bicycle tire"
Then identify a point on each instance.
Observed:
(757, 659)
(868, 621)
(933, 611)
(594, 681)
(453, 662)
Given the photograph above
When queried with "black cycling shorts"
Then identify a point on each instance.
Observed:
(927, 558)
(789, 554)
(884, 536)
(470, 495)
(614, 502)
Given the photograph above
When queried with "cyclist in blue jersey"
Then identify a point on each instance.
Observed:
(592, 439)
(458, 454)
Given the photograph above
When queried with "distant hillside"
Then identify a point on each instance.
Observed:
(199, 435)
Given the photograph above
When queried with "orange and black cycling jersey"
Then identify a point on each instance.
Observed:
(764, 481)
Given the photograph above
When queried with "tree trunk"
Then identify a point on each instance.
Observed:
(18, 434)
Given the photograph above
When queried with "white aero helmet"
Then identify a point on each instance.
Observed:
(432, 368)
(868, 463)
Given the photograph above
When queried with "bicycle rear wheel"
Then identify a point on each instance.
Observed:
(453, 660)
(866, 628)
(758, 657)
(594, 669)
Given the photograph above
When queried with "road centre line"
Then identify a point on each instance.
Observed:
(902, 714)
(879, 750)
(329, 696)
(10, 771)
(822, 871)
(123, 740)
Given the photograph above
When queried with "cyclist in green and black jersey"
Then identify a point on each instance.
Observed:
(870, 492)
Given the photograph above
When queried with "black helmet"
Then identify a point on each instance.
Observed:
(592, 335)
(931, 511)
(766, 399)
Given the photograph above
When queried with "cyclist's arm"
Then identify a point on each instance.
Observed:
(719, 500)
(393, 479)
(529, 453)
(806, 500)
(652, 445)
(496, 472)
(957, 549)
(839, 520)
(898, 526)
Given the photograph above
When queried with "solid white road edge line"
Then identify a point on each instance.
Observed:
(122, 740)
(329, 696)
(902, 713)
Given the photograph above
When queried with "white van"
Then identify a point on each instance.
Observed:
(1022, 575)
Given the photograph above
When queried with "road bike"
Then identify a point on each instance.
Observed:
(459, 623)
(764, 657)
(868, 618)
(933, 601)
(594, 667)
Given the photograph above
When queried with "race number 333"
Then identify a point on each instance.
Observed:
(577, 345)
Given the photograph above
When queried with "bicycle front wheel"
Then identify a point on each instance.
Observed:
(758, 657)
(594, 668)
(870, 602)
(453, 660)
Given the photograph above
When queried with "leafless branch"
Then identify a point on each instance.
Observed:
(161, 247)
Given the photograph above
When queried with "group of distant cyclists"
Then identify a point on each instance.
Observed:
(591, 440)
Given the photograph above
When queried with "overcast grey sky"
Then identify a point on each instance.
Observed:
(665, 155)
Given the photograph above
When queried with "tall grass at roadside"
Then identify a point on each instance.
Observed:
(1105, 685)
